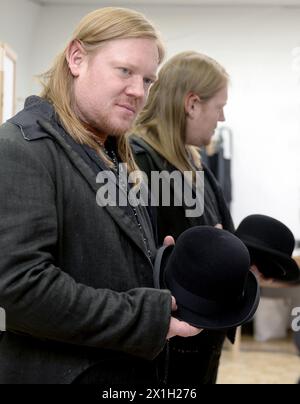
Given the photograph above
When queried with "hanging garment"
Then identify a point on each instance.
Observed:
(218, 157)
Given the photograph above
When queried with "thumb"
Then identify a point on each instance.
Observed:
(174, 305)
(169, 240)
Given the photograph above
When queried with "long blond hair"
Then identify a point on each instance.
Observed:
(94, 30)
(162, 123)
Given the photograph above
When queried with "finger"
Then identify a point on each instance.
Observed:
(186, 330)
(255, 271)
(193, 331)
(219, 226)
(174, 305)
(169, 240)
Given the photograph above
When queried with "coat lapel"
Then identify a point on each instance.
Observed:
(123, 220)
(165, 171)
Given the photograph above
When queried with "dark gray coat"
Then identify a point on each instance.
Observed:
(75, 278)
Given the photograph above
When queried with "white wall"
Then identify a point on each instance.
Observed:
(255, 45)
(17, 26)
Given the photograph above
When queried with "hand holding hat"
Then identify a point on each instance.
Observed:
(181, 328)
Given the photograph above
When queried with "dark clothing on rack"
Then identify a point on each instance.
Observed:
(221, 168)
(220, 165)
(192, 361)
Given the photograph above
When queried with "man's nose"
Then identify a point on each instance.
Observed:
(222, 117)
(136, 87)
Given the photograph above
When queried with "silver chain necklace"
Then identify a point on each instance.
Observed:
(113, 158)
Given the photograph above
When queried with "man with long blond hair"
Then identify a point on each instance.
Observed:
(75, 277)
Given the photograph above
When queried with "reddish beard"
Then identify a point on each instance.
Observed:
(107, 126)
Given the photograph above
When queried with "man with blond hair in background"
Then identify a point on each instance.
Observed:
(76, 279)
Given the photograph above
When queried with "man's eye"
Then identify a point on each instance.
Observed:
(125, 71)
(148, 82)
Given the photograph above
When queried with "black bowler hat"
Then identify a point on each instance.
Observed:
(271, 245)
(208, 272)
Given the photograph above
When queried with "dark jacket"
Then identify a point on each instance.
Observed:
(172, 220)
(75, 278)
(192, 360)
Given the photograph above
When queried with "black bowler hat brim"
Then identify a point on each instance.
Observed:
(285, 268)
(224, 315)
(162, 257)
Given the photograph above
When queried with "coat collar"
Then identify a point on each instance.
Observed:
(139, 145)
(38, 121)
(27, 119)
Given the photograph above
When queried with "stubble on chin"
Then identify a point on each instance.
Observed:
(115, 130)
(106, 126)
(118, 128)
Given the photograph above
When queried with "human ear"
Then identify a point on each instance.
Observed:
(190, 103)
(75, 57)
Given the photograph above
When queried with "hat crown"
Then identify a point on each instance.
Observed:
(267, 232)
(210, 263)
